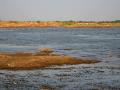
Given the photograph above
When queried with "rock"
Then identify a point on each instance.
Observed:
(45, 51)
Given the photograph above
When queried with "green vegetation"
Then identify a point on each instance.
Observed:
(117, 21)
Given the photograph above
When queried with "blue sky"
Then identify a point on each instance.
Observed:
(49, 10)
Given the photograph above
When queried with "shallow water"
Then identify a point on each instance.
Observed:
(100, 43)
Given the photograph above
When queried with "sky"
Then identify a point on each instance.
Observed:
(52, 10)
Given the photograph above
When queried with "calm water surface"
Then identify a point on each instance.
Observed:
(100, 43)
(82, 42)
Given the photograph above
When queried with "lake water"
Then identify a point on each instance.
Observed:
(82, 42)
(100, 43)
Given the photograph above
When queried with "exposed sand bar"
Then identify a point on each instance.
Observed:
(26, 61)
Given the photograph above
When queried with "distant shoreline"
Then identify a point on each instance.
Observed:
(64, 24)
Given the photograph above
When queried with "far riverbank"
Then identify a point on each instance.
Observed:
(65, 24)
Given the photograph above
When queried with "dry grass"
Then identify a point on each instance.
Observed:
(17, 24)
(25, 61)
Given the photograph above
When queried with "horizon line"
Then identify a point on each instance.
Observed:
(61, 20)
